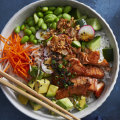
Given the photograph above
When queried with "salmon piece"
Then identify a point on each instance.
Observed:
(89, 71)
(100, 88)
(92, 71)
(76, 66)
(81, 86)
(92, 58)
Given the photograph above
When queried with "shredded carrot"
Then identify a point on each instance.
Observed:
(17, 55)
(7, 68)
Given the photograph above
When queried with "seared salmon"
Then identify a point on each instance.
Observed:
(89, 71)
(92, 58)
(81, 86)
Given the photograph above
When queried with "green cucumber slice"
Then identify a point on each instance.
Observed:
(76, 44)
(94, 23)
(108, 54)
(94, 44)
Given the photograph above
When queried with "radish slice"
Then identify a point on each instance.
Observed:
(45, 69)
(40, 35)
(86, 33)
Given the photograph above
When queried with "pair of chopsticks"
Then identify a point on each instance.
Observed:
(34, 96)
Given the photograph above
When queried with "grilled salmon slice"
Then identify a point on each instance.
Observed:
(89, 71)
(81, 86)
(92, 58)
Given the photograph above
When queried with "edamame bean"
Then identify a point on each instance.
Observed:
(50, 18)
(31, 23)
(48, 12)
(44, 26)
(17, 29)
(59, 16)
(33, 30)
(67, 16)
(24, 39)
(22, 27)
(54, 25)
(26, 27)
(36, 27)
(40, 22)
(57, 19)
(40, 14)
(58, 10)
(67, 9)
(34, 42)
(32, 37)
(28, 32)
(52, 8)
(36, 18)
(38, 9)
(29, 18)
(44, 9)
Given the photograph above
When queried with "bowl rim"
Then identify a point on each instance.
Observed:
(24, 111)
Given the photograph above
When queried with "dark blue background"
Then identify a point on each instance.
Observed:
(110, 10)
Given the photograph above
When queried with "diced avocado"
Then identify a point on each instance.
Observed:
(22, 99)
(82, 102)
(108, 54)
(94, 23)
(51, 112)
(94, 44)
(79, 102)
(35, 106)
(52, 91)
(81, 22)
(65, 103)
(76, 44)
(75, 13)
(31, 83)
(41, 86)
(36, 18)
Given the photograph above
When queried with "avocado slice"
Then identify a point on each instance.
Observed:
(52, 91)
(41, 86)
(35, 106)
(65, 103)
(22, 99)
(82, 102)
(31, 83)
(94, 44)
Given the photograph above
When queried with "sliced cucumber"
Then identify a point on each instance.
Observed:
(76, 44)
(75, 13)
(22, 99)
(94, 23)
(108, 54)
(81, 22)
(94, 44)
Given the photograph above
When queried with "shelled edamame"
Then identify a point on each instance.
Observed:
(43, 18)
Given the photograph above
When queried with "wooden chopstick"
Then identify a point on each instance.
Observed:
(34, 93)
(2, 81)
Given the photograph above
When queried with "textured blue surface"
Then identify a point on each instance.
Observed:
(110, 10)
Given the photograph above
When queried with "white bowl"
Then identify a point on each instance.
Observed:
(21, 15)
